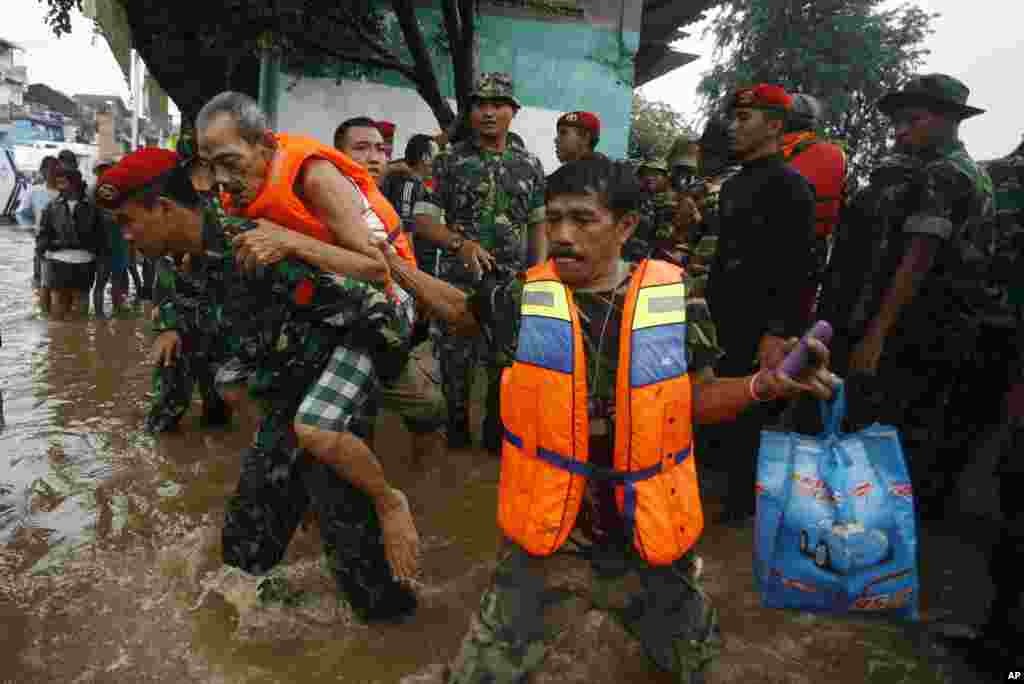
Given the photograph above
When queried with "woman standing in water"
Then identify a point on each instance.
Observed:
(68, 241)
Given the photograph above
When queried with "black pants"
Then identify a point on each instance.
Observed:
(975, 407)
(736, 444)
(1007, 613)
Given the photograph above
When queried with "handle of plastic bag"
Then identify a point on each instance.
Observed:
(834, 411)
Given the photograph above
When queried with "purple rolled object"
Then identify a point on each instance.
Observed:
(797, 359)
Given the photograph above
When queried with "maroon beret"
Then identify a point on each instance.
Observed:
(136, 171)
(585, 120)
(763, 96)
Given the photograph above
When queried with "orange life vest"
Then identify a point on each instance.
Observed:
(545, 455)
(823, 164)
(278, 202)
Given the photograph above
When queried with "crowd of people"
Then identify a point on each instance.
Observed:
(78, 249)
(627, 317)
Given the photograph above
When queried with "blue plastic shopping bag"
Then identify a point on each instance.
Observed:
(835, 527)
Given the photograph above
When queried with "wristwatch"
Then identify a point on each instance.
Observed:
(455, 243)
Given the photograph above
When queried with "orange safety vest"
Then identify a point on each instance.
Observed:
(278, 202)
(823, 164)
(545, 454)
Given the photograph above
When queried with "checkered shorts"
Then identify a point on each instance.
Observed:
(342, 390)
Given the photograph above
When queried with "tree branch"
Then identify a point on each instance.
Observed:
(425, 78)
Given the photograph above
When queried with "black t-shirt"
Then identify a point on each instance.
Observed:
(764, 257)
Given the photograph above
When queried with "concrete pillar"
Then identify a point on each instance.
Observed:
(109, 148)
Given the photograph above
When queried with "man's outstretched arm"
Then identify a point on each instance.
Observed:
(443, 301)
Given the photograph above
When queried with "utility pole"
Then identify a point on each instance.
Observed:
(136, 85)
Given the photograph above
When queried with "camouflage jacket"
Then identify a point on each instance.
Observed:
(656, 226)
(942, 193)
(280, 318)
(489, 197)
(1008, 182)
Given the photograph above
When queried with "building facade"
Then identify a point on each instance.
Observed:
(13, 82)
(562, 54)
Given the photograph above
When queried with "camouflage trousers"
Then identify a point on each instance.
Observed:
(172, 390)
(670, 614)
(279, 482)
(459, 358)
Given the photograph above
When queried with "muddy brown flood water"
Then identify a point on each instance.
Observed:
(110, 549)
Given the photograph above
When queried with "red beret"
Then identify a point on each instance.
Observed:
(387, 129)
(763, 96)
(585, 120)
(134, 172)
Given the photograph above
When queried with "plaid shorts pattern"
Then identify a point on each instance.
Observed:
(340, 392)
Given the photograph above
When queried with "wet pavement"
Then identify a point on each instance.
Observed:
(110, 549)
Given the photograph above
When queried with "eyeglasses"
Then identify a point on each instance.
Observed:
(228, 165)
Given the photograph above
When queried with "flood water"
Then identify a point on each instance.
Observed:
(110, 549)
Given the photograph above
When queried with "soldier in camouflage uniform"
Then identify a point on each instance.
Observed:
(657, 212)
(671, 615)
(925, 219)
(491, 197)
(305, 316)
(993, 648)
(182, 362)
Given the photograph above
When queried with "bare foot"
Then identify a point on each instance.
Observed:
(401, 541)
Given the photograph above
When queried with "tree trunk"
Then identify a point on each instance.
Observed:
(426, 79)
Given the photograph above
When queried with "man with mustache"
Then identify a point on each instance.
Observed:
(491, 195)
(283, 324)
(598, 404)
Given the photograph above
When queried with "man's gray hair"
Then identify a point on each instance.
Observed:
(251, 121)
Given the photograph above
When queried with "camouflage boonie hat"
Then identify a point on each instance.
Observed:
(655, 164)
(931, 91)
(495, 85)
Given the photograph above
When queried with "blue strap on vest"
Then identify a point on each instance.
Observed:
(597, 472)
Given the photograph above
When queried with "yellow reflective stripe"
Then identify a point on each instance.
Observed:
(545, 298)
(660, 305)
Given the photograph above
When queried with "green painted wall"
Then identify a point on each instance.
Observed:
(558, 66)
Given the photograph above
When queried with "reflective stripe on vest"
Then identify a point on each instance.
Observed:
(544, 409)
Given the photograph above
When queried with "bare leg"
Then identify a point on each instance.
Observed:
(353, 460)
